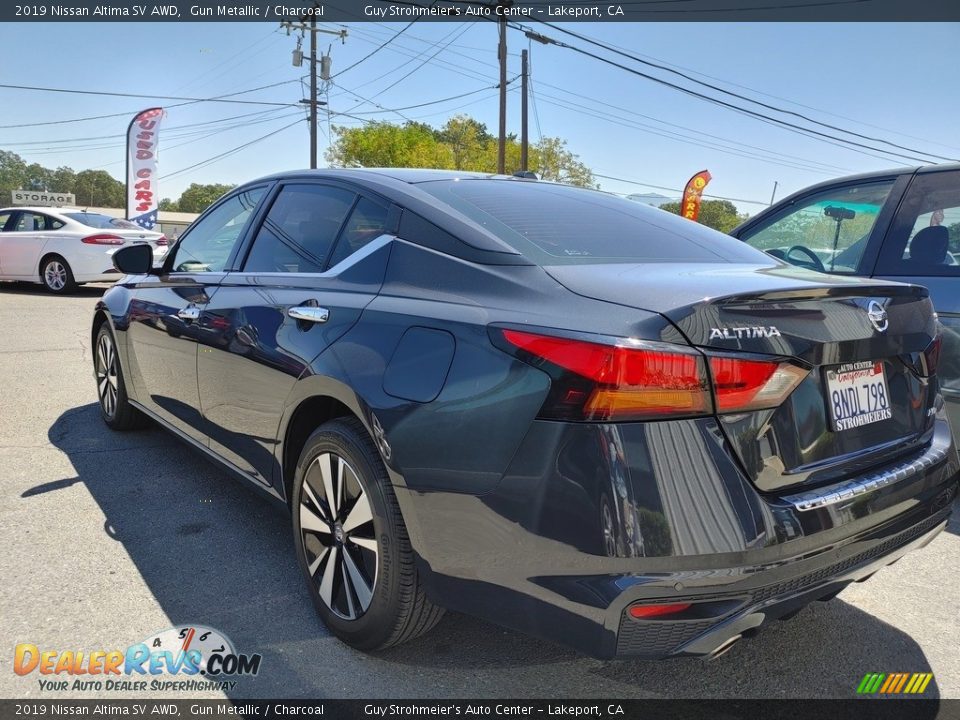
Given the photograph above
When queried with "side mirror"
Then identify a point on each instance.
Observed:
(134, 260)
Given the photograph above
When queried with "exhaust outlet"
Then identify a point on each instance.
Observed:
(724, 647)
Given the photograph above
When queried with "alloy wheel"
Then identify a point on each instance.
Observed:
(107, 375)
(338, 536)
(55, 275)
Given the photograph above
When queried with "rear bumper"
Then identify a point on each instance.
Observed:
(590, 519)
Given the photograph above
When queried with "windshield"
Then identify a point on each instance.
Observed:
(554, 224)
(102, 222)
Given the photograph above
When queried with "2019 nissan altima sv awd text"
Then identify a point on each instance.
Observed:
(566, 412)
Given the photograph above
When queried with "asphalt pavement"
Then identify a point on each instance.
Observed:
(109, 538)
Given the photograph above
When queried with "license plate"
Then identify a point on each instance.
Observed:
(857, 395)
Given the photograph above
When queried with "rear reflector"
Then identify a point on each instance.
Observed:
(103, 239)
(741, 384)
(647, 611)
(639, 380)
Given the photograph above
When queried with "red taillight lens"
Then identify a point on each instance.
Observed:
(648, 380)
(162, 241)
(616, 382)
(103, 239)
(741, 385)
(931, 356)
(647, 611)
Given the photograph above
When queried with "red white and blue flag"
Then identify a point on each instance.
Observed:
(143, 138)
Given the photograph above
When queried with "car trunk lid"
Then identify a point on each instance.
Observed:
(848, 332)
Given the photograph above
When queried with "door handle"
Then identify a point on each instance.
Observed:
(309, 313)
(189, 313)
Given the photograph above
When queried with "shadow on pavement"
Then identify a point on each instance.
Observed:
(25, 288)
(213, 553)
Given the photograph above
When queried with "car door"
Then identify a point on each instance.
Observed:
(300, 287)
(23, 242)
(6, 218)
(835, 229)
(923, 247)
(164, 331)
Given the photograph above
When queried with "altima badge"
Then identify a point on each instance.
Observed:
(738, 333)
(877, 316)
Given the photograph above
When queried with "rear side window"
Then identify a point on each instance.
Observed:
(925, 238)
(827, 231)
(554, 224)
(299, 231)
(367, 221)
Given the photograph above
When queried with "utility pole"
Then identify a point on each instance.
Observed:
(313, 102)
(524, 138)
(502, 52)
(313, 92)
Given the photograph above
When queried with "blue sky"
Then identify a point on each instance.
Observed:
(893, 81)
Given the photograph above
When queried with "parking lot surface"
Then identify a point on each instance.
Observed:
(110, 538)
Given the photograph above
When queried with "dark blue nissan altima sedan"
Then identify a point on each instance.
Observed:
(565, 412)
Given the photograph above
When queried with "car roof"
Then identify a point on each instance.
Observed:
(48, 209)
(410, 176)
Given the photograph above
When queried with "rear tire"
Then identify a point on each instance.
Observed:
(115, 407)
(354, 552)
(56, 275)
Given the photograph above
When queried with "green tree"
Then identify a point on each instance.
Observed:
(97, 188)
(462, 143)
(197, 198)
(551, 160)
(12, 173)
(37, 177)
(720, 215)
(62, 179)
(168, 204)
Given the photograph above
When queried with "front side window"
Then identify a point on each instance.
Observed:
(299, 231)
(207, 245)
(828, 231)
(925, 238)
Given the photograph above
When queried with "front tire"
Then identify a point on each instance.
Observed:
(351, 542)
(57, 276)
(115, 407)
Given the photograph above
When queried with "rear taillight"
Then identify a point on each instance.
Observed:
(103, 239)
(615, 382)
(162, 241)
(741, 384)
(931, 356)
(639, 380)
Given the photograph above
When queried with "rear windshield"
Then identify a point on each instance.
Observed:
(102, 222)
(552, 224)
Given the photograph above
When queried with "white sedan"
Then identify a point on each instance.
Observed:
(65, 247)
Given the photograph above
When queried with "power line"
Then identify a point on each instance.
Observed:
(188, 100)
(376, 50)
(740, 96)
(231, 151)
(723, 103)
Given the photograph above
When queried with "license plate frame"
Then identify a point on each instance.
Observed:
(857, 394)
